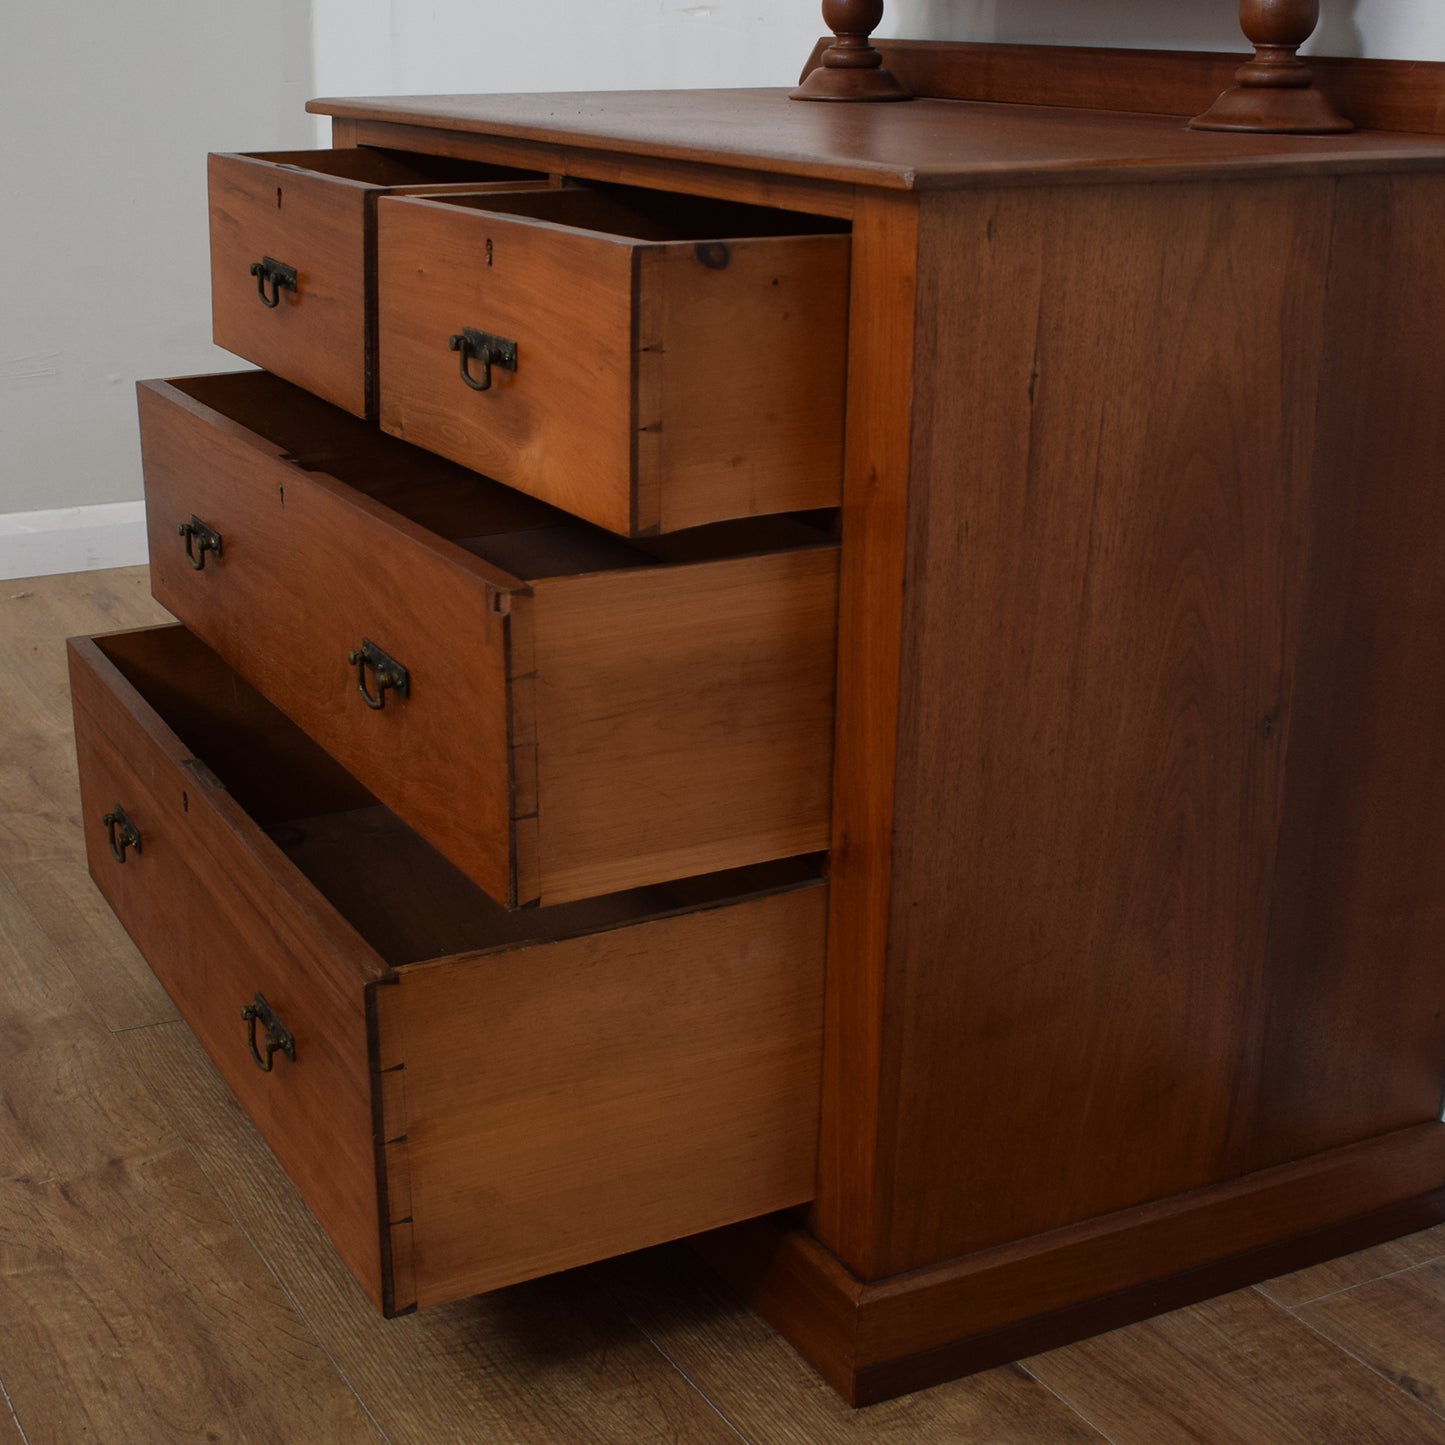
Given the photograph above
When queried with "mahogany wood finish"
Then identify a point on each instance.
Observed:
(312, 211)
(1376, 94)
(677, 363)
(608, 1092)
(850, 68)
(1132, 988)
(207, 899)
(1275, 90)
(570, 1083)
(594, 730)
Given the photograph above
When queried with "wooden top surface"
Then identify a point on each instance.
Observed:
(918, 145)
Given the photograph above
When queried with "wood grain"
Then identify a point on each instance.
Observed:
(924, 145)
(316, 334)
(41, 846)
(881, 343)
(588, 1097)
(206, 875)
(1396, 1326)
(132, 1304)
(771, 1397)
(310, 568)
(741, 370)
(536, 1364)
(1388, 95)
(1360, 879)
(570, 276)
(683, 718)
(1102, 621)
(601, 734)
(1234, 1371)
(1303, 1286)
(313, 211)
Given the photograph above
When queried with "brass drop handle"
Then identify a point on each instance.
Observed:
(121, 832)
(488, 350)
(200, 539)
(277, 1038)
(390, 675)
(279, 276)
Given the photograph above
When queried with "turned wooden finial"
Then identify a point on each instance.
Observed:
(852, 69)
(1276, 90)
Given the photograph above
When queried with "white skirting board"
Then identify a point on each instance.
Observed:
(72, 539)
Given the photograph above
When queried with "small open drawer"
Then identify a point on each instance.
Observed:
(293, 256)
(561, 713)
(465, 1097)
(644, 360)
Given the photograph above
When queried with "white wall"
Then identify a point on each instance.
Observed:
(385, 47)
(106, 112)
(1384, 29)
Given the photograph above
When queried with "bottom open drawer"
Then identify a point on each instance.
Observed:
(465, 1097)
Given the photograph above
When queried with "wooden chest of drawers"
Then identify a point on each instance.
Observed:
(1111, 691)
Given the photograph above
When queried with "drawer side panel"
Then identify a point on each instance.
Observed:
(577, 1100)
(742, 365)
(684, 719)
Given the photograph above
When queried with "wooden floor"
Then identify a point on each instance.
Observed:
(159, 1280)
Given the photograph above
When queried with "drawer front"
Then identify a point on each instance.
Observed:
(477, 1096)
(203, 894)
(292, 262)
(657, 385)
(308, 572)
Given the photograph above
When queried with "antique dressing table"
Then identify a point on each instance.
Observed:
(924, 767)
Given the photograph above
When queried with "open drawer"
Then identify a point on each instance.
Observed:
(465, 1097)
(572, 714)
(647, 361)
(293, 256)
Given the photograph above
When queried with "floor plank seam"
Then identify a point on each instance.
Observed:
(137, 1028)
(1359, 1284)
(1394, 1384)
(657, 1345)
(246, 1234)
(10, 1405)
(1067, 1403)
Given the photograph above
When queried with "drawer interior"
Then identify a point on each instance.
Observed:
(638, 214)
(390, 168)
(403, 898)
(524, 537)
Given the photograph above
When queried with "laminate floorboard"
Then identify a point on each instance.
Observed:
(773, 1398)
(41, 846)
(1238, 1370)
(131, 1306)
(1314, 1283)
(1396, 1325)
(160, 1280)
(552, 1360)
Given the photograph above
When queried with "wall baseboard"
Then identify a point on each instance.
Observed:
(72, 539)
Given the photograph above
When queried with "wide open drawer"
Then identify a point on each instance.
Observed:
(465, 1097)
(579, 715)
(293, 256)
(673, 362)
